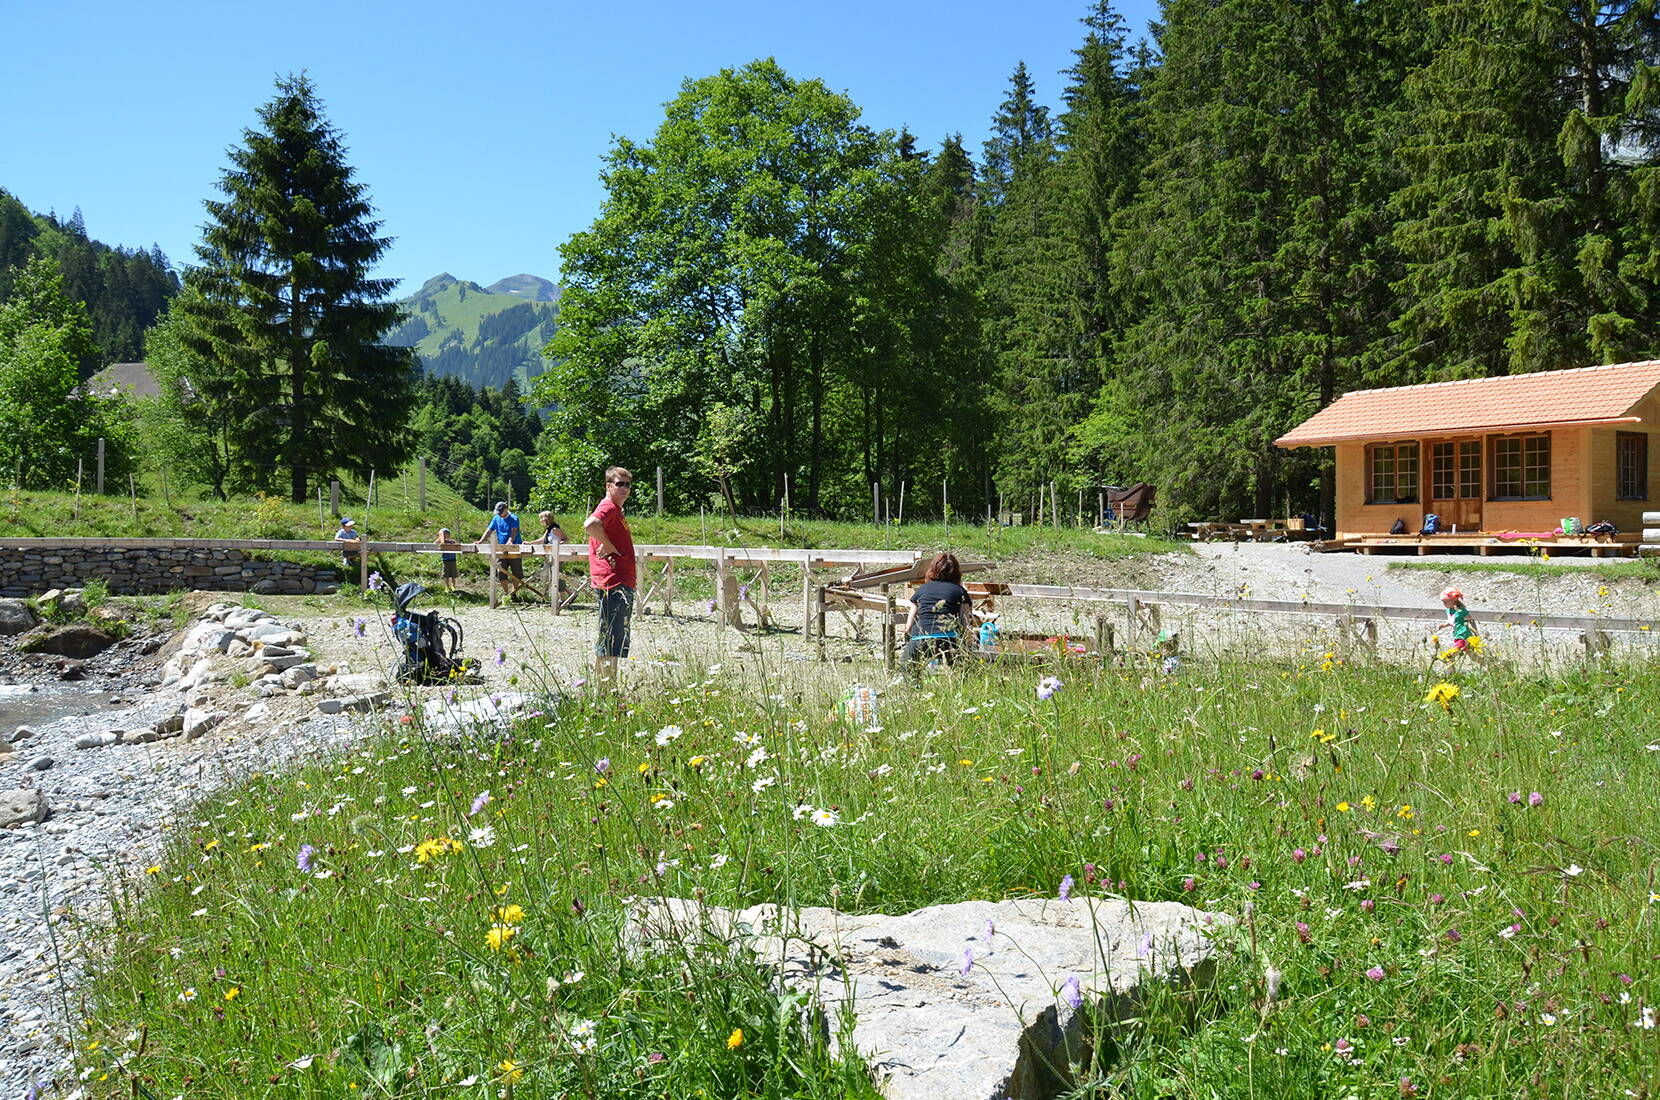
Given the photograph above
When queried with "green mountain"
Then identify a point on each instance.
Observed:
(482, 335)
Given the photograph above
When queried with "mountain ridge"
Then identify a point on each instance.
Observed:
(482, 335)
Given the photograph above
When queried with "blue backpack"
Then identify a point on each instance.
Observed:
(1432, 524)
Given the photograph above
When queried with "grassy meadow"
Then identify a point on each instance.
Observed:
(395, 515)
(1446, 887)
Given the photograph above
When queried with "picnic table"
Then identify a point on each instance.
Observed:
(1241, 530)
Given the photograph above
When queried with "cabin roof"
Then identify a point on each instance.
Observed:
(1557, 398)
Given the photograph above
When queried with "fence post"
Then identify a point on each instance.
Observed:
(423, 482)
(79, 472)
(806, 596)
(659, 492)
(100, 465)
(362, 563)
(876, 504)
(493, 546)
(553, 574)
(818, 619)
(132, 487)
(888, 631)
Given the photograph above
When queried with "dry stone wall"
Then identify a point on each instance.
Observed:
(131, 572)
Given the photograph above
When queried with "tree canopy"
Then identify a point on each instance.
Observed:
(283, 310)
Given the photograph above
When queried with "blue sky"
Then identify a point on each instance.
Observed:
(478, 129)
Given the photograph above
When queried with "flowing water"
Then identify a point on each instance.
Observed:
(23, 704)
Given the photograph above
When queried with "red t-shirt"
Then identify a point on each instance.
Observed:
(608, 573)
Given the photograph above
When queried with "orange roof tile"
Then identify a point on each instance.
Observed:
(1556, 397)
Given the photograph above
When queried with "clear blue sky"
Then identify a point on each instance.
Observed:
(477, 128)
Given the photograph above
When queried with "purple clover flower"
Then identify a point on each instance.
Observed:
(482, 800)
(603, 765)
(1298, 855)
(1066, 888)
(1073, 995)
(303, 862)
(1375, 974)
(1535, 799)
(968, 961)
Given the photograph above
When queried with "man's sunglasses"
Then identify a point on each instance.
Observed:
(622, 484)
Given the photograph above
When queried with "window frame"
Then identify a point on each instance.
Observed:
(1622, 489)
(1410, 449)
(1523, 479)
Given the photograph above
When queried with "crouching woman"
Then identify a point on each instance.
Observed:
(939, 616)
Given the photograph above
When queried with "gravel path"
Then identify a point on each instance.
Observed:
(111, 804)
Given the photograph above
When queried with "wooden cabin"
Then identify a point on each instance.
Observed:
(1495, 456)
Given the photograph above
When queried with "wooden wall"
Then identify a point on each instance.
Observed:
(1582, 485)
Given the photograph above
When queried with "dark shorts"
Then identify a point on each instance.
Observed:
(918, 649)
(451, 568)
(515, 566)
(616, 608)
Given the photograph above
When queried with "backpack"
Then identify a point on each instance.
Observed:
(431, 643)
(1602, 528)
(1398, 527)
(1432, 524)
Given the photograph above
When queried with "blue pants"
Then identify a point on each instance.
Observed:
(616, 609)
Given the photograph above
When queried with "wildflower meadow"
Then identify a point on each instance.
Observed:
(1444, 885)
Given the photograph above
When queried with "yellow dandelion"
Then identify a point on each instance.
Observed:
(1369, 803)
(154, 869)
(645, 766)
(1443, 693)
(510, 914)
(1342, 807)
(966, 763)
(1405, 813)
(498, 936)
(736, 1039)
(233, 993)
(509, 1071)
(698, 761)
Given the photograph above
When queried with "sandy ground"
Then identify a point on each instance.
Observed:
(535, 646)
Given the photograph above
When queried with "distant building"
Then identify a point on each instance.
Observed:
(130, 380)
(1513, 454)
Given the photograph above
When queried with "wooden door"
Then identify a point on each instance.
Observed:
(1455, 483)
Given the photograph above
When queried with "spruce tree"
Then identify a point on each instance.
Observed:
(286, 306)
(1256, 255)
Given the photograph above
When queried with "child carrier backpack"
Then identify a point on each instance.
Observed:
(1432, 524)
(431, 643)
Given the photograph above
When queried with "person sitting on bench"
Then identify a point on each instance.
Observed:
(939, 612)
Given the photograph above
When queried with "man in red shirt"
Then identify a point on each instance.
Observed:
(611, 570)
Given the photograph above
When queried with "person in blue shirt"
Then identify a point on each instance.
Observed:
(351, 558)
(504, 525)
(452, 566)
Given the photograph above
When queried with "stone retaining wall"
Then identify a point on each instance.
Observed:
(130, 572)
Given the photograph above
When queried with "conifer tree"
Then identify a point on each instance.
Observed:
(287, 308)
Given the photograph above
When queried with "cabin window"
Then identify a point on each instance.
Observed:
(1521, 467)
(1631, 461)
(1393, 473)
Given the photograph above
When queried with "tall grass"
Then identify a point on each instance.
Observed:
(1450, 896)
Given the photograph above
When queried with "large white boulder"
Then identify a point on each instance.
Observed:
(942, 1011)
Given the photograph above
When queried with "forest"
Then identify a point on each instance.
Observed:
(1221, 228)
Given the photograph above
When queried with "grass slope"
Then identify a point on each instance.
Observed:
(462, 308)
(1450, 897)
(396, 517)
(1641, 569)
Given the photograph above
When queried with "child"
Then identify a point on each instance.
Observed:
(1464, 639)
(351, 557)
(451, 568)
